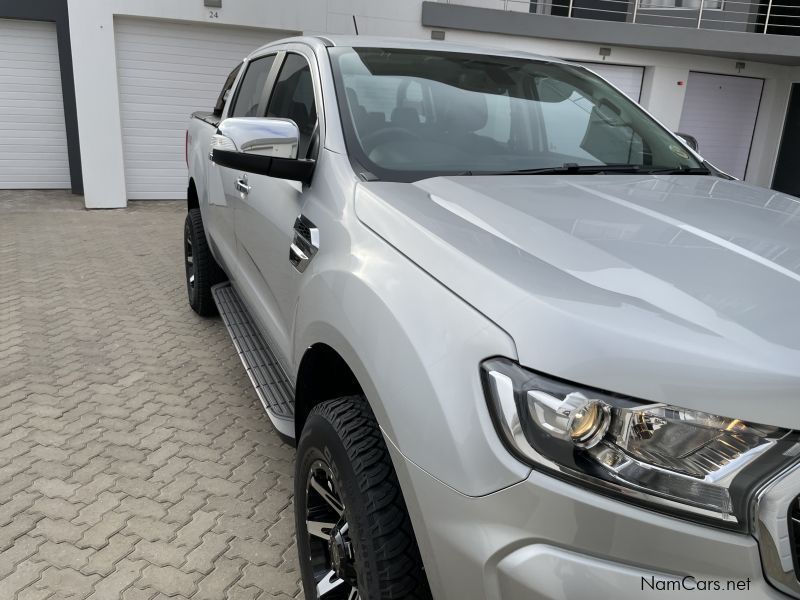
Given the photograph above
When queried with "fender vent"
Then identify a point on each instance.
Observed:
(302, 229)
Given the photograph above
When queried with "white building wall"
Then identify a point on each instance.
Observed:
(92, 31)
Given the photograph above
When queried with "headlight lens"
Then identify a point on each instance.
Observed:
(669, 458)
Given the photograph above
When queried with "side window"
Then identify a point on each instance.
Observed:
(293, 98)
(223, 95)
(251, 89)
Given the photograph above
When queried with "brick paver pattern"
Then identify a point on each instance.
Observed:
(135, 460)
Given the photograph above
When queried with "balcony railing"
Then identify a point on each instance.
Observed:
(752, 16)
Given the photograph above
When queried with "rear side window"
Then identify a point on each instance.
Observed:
(293, 98)
(223, 95)
(251, 90)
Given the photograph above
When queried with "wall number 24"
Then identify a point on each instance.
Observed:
(213, 14)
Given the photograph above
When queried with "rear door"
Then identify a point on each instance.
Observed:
(222, 193)
(218, 220)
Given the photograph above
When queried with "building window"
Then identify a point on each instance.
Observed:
(692, 4)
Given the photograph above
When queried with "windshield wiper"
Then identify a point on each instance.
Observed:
(678, 171)
(576, 169)
(565, 169)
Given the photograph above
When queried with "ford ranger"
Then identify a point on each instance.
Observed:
(529, 343)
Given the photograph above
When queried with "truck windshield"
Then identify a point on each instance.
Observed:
(413, 114)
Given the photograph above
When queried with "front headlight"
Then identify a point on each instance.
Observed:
(669, 458)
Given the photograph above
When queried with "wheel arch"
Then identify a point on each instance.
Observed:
(192, 199)
(418, 369)
(323, 375)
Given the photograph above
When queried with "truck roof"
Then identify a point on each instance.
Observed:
(365, 41)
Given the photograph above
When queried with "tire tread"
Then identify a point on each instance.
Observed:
(400, 569)
(207, 272)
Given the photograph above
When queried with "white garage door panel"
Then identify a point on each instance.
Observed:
(626, 78)
(167, 71)
(33, 147)
(721, 111)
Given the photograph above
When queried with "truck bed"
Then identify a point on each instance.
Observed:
(207, 117)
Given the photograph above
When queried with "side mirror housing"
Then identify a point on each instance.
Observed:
(690, 140)
(261, 146)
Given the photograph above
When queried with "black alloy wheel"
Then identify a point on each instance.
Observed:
(354, 534)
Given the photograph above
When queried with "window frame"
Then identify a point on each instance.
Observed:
(367, 170)
(243, 73)
(273, 80)
(280, 52)
(230, 82)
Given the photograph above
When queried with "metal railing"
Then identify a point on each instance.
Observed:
(751, 16)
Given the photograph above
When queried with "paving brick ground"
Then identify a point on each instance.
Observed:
(135, 461)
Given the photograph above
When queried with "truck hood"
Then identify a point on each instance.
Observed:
(678, 289)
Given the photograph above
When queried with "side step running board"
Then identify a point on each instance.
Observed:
(272, 385)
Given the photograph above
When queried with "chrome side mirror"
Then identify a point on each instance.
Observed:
(262, 146)
(690, 140)
(265, 137)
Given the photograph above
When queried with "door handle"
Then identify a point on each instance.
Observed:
(242, 187)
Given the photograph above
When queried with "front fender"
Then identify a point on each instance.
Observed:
(415, 348)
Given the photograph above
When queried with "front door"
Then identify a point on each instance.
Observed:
(266, 215)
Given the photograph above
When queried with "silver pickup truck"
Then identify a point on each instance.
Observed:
(528, 342)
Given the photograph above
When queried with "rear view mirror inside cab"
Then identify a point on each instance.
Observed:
(552, 90)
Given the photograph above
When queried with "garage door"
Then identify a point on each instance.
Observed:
(720, 111)
(166, 71)
(33, 147)
(626, 78)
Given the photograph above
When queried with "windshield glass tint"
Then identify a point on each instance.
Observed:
(411, 114)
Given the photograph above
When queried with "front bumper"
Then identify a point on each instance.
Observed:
(546, 539)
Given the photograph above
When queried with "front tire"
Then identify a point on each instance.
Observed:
(354, 536)
(202, 270)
